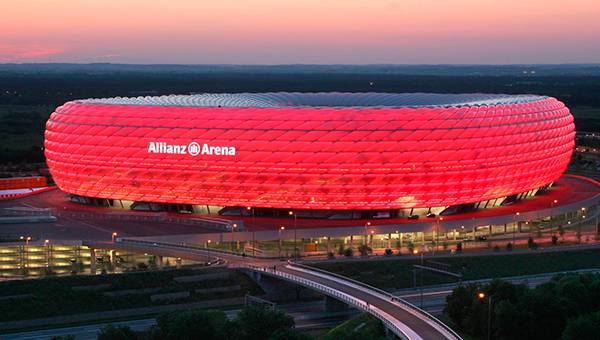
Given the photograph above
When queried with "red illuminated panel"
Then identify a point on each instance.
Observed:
(308, 157)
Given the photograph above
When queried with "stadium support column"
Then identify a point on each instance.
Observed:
(93, 260)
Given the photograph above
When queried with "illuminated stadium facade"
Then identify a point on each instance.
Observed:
(394, 154)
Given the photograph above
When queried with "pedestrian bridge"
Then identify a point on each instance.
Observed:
(401, 318)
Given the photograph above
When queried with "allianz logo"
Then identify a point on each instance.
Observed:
(192, 149)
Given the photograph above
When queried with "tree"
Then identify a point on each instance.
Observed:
(584, 327)
(341, 249)
(111, 332)
(364, 250)
(212, 324)
(389, 252)
(459, 248)
(348, 252)
(289, 334)
(509, 246)
(458, 304)
(561, 232)
(554, 240)
(411, 247)
(259, 323)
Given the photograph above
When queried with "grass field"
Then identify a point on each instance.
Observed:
(396, 274)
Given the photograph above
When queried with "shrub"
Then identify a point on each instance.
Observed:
(388, 252)
(509, 246)
(459, 247)
(111, 332)
(364, 250)
(348, 252)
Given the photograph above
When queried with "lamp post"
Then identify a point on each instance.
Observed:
(114, 236)
(481, 296)
(25, 255)
(436, 231)
(416, 251)
(552, 204)
(367, 225)
(515, 222)
(291, 213)
(48, 253)
(281, 229)
(233, 226)
(254, 226)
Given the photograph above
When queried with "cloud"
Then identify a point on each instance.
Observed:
(27, 52)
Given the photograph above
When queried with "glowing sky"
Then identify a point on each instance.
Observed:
(306, 31)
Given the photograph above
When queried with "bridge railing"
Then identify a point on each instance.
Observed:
(396, 327)
(417, 311)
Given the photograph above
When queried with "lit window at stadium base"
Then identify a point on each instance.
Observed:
(396, 154)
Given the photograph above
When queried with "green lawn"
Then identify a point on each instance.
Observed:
(395, 274)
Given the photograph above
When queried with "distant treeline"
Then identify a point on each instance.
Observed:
(57, 88)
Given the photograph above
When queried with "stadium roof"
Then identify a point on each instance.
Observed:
(321, 99)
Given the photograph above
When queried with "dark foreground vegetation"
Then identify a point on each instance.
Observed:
(567, 307)
(29, 93)
(250, 323)
(73, 295)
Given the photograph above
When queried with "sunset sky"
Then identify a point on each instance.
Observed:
(307, 31)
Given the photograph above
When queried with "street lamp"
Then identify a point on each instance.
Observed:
(254, 225)
(291, 213)
(434, 237)
(481, 296)
(415, 252)
(367, 225)
(233, 226)
(515, 222)
(281, 229)
(114, 236)
(554, 202)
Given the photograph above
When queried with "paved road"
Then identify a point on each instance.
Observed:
(306, 316)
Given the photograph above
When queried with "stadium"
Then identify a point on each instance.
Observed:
(391, 154)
